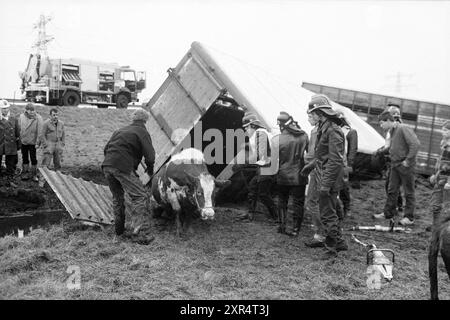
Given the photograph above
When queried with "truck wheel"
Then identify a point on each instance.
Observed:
(71, 99)
(122, 101)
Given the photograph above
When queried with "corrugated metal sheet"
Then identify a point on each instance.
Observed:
(84, 200)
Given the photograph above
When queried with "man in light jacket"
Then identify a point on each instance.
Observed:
(259, 155)
(30, 124)
(403, 149)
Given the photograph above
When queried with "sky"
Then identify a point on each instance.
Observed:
(399, 48)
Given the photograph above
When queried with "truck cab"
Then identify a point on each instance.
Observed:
(127, 85)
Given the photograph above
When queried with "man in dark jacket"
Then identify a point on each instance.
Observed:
(123, 153)
(292, 143)
(329, 162)
(9, 140)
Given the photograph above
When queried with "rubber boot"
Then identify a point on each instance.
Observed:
(34, 175)
(25, 172)
(119, 222)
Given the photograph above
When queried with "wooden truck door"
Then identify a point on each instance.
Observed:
(178, 105)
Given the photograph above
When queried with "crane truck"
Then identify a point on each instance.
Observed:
(69, 82)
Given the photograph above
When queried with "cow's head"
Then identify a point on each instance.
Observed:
(205, 193)
(189, 170)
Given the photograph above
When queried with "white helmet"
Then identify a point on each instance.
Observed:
(4, 104)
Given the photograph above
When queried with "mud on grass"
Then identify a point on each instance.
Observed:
(223, 259)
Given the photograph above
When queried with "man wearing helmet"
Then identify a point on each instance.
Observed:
(329, 162)
(258, 150)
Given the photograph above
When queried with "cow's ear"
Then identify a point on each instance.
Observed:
(222, 183)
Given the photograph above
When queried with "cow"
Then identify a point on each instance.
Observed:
(184, 189)
(440, 241)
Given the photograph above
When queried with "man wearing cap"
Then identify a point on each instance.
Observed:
(9, 140)
(403, 149)
(329, 162)
(123, 153)
(292, 144)
(30, 132)
(384, 151)
(259, 153)
(351, 147)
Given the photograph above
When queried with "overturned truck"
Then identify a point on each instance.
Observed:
(209, 89)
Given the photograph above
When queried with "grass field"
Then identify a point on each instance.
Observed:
(223, 259)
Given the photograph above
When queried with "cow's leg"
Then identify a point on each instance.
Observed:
(178, 222)
(188, 224)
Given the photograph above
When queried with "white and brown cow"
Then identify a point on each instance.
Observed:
(184, 189)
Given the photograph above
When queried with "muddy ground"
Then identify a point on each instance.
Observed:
(224, 259)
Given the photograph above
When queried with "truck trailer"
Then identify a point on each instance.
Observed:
(69, 82)
(425, 118)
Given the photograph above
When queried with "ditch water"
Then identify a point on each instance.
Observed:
(20, 225)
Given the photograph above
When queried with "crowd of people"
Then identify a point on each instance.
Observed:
(311, 175)
(313, 172)
(26, 133)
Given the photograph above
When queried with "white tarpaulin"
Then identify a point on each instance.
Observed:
(267, 94)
